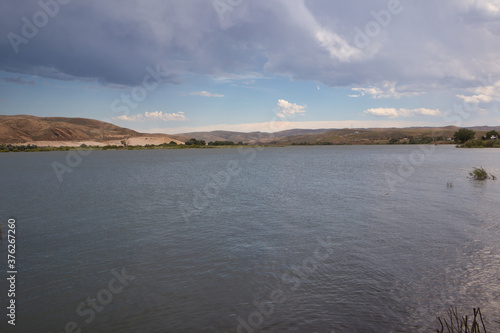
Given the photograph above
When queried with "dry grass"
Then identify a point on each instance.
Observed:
(461, 324)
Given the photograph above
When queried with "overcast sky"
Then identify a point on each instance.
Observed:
(244, 65)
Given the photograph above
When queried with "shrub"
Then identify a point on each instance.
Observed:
(480, 174)
(489, 143)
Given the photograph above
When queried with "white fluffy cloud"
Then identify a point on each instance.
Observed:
(483, 94)
(157, 115)
(205, 94)
(491, 7)
(395, 113)
(287, 109)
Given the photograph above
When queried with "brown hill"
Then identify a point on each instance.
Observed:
(334, 136)
(23, 128)
(252, 137)
(375, 135)
(368, 135)
(74, 131)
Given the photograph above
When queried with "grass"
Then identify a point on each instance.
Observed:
(462, 324)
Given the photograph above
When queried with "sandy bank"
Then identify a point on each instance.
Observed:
(136, 141)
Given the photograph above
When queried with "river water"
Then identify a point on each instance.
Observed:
(295, 239)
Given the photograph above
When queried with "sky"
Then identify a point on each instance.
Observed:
(172, 66)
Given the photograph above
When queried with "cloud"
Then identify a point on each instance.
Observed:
(447, 43)
(157, 115)
(395, 113)
(205, 94)
(287, 109)
(483, 94)
(476, 99)
(337, 47)
(18, 80)
(386, 90)
(488, 8)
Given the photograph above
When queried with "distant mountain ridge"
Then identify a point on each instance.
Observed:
(252, 137)
(333, 136)
(18, 129)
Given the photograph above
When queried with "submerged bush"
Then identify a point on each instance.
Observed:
(481, 174)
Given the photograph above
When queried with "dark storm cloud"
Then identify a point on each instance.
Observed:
(422, 43)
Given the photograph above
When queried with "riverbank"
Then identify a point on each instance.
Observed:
(494, 143)
(35, 148)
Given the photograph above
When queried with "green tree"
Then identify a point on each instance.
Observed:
(393, 141)
(194, 142)
(464, 135)
(490, 134)
(221, 143)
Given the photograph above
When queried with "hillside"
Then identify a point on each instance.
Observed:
(333, 136)
(22, 128)
(369, 136)
(61, 131)
(251, 138)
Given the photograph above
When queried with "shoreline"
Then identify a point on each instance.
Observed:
(35, 148)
